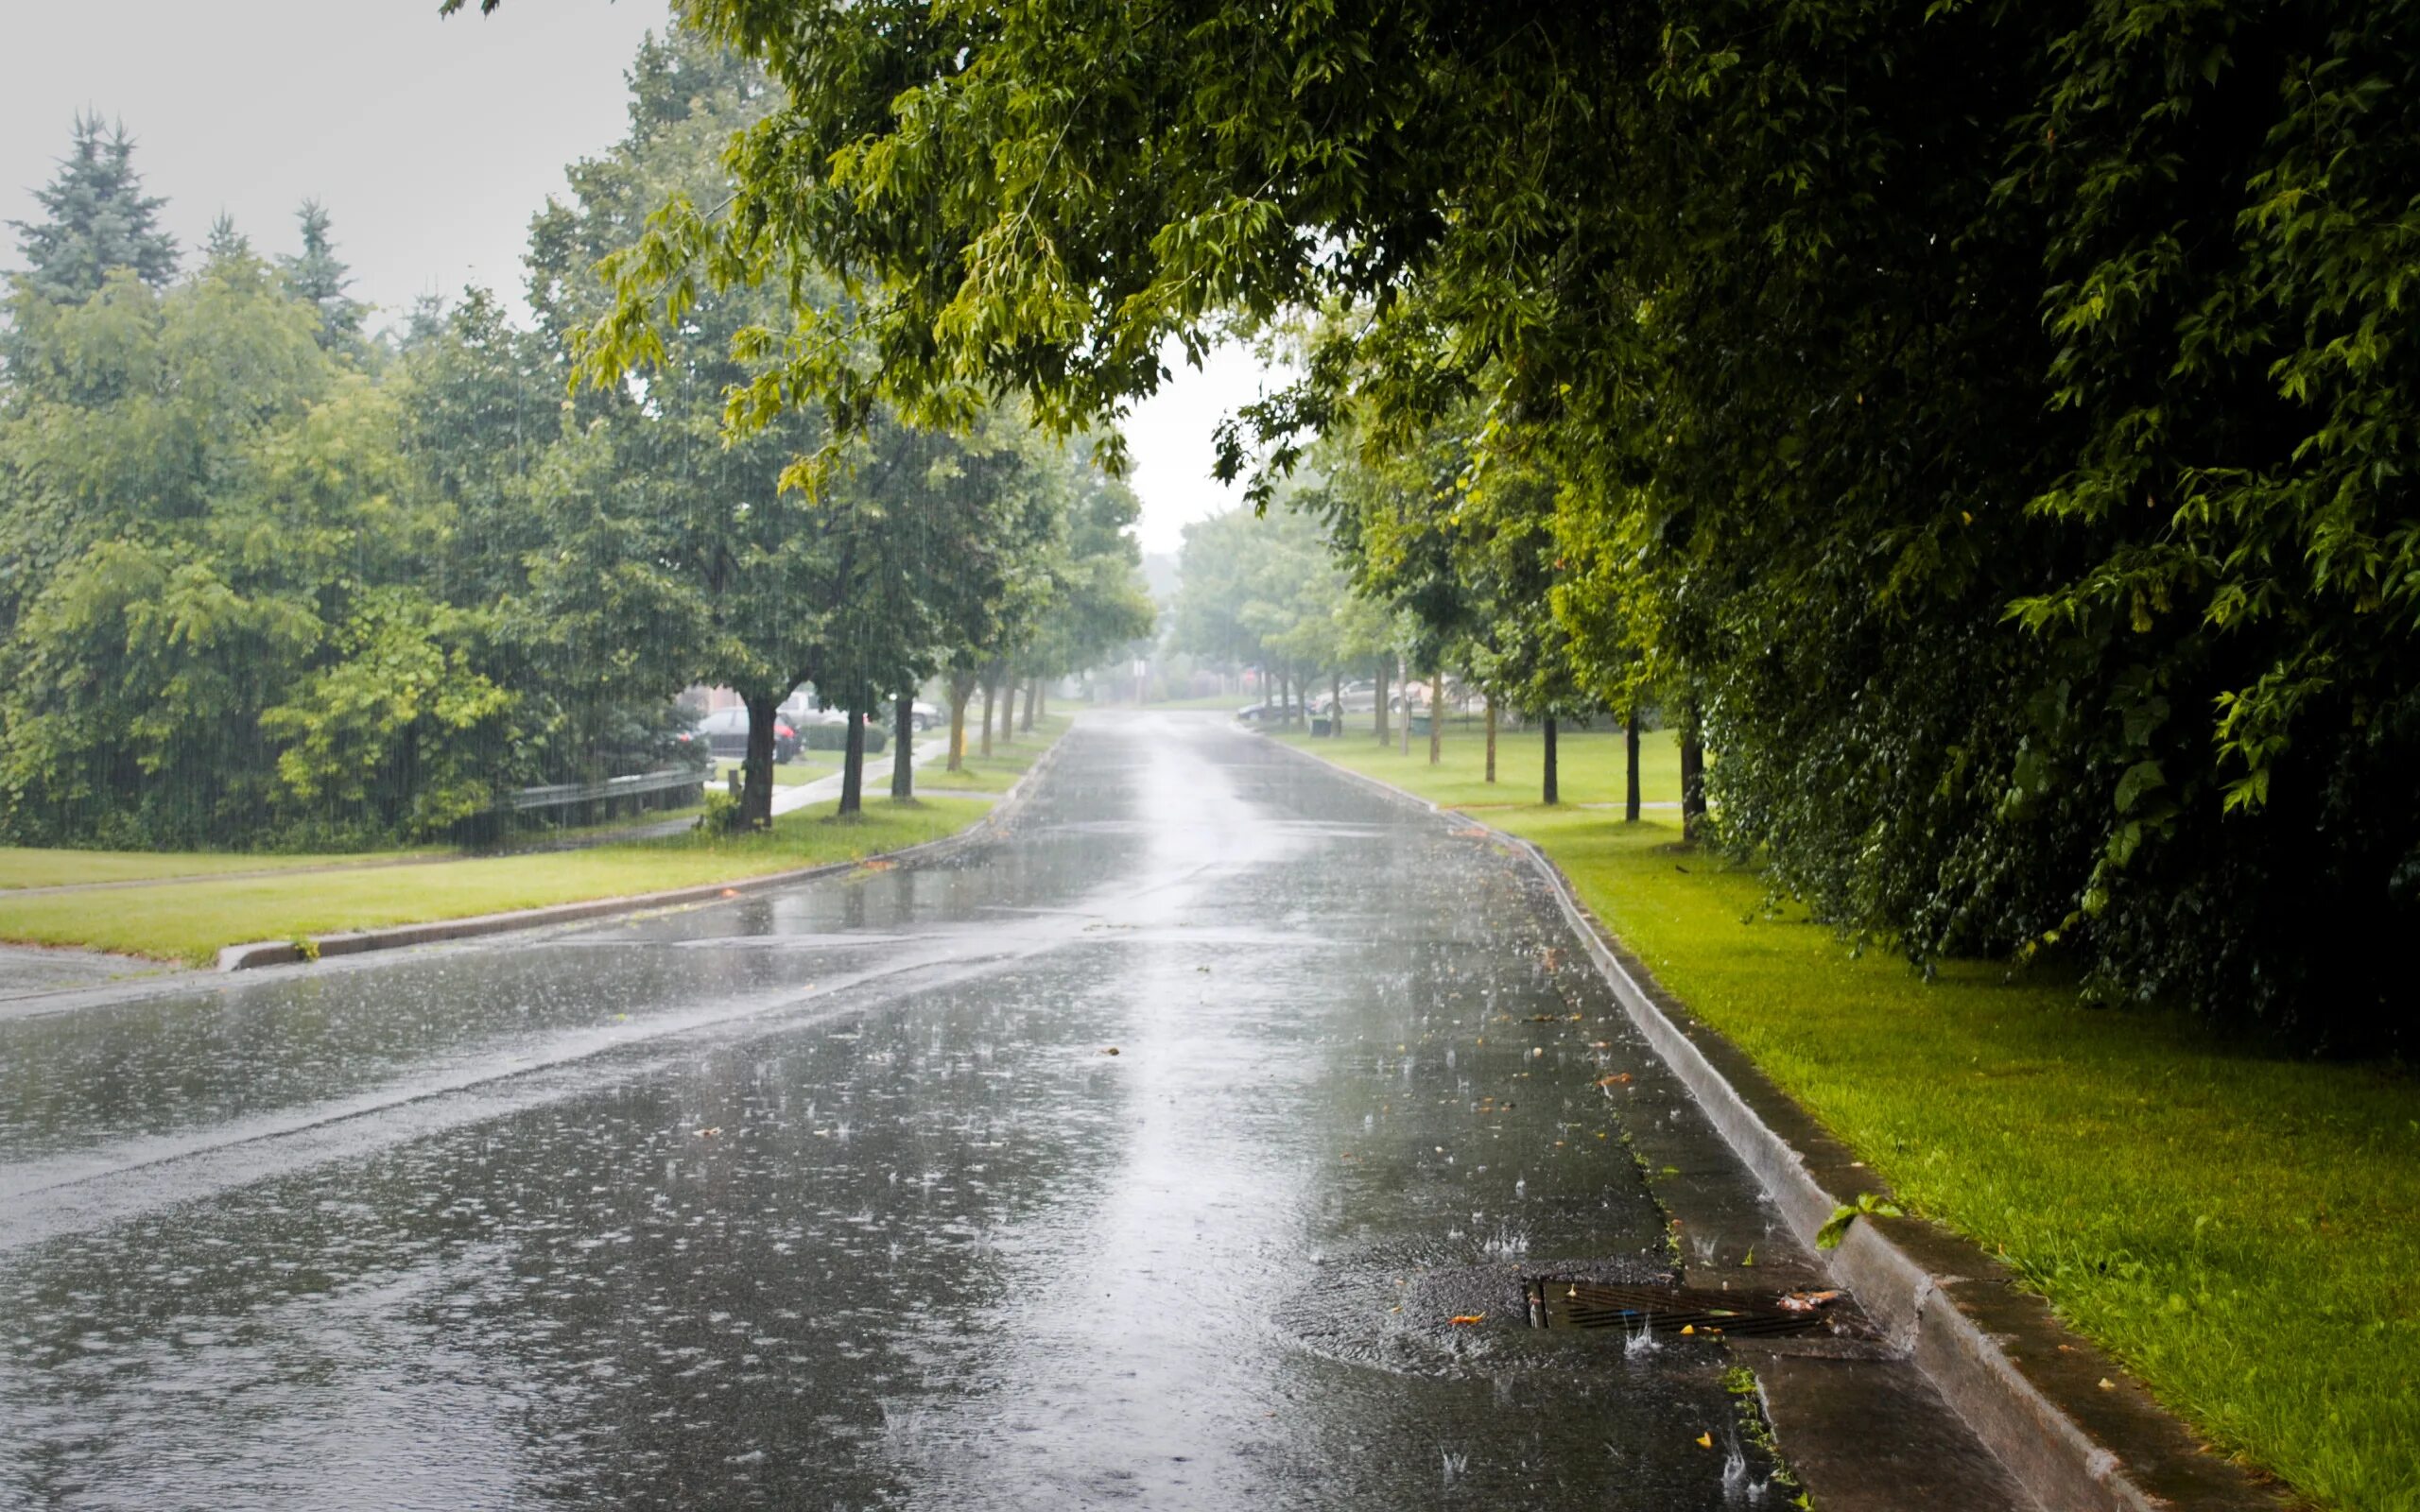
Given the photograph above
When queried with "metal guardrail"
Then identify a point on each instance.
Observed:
(562, 794)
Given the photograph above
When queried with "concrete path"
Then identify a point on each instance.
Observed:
(929, 747)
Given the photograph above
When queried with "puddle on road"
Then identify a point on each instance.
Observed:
(943, 1253)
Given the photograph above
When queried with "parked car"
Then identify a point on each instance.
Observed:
(725, 732)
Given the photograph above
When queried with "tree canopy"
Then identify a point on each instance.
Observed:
(1997, 418)
(267, 580)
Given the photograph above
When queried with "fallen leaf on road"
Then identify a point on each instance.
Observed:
(1806, 1301)
(731, 892)
(1111, 1051)
(1619, 1078)
(1705, 1441)
(1689, 1328)
(709, 1133)
(1465, 1319)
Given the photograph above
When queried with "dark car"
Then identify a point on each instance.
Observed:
(725, 732)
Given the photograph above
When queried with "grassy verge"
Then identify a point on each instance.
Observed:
(805, 767)
(1009, 759)
(190, 923)
(22, 867)
(1589, 765)
(2235, 1226)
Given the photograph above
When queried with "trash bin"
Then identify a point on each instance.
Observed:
(1320, 726)
(1420, 724)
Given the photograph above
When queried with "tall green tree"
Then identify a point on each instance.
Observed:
(318, 278)
(95, 220)
(215, 631)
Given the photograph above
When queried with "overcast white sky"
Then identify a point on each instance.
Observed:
(431, 143)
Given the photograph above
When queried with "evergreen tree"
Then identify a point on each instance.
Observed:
(99, 219)
(319, 278)
(225, 243)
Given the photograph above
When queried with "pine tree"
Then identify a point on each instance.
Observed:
(317, 277)
(100, 220)
(225, 241)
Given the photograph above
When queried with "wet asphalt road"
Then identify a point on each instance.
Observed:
(835, 1197)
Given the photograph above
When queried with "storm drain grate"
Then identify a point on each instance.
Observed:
(1565, 1304)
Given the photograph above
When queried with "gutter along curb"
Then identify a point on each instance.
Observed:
(2031, 1390)
(436, 931)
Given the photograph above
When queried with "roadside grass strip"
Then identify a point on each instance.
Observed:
(807, 767)
(29, 868)
(2236, 1226)
(189, 923)
(997, 773)
(1589, 763)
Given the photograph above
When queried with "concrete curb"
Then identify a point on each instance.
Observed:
(396, 937)
(2056, 1410)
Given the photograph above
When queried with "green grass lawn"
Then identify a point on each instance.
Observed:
(190, 922)
(805, 767)
(1009, 761)
(2236, 1226)
(1589, 765)
(21, 867)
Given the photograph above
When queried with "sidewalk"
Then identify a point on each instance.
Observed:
(877, 777)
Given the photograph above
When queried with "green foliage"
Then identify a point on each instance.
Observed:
(1265, 591)
(1970, 418)
(97, 220)
(316, 277)
(1836, 1227)
(835, 737)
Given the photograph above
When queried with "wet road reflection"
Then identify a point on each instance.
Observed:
(839, 1199)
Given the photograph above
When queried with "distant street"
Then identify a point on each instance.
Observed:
(1141, 1156)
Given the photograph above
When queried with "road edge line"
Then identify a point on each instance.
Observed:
(2050, 1403)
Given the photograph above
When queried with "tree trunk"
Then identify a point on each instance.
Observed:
(1436, 718)
(757, 790)
(1553, 778)
(1336, 703)
(1692, 782)
(1629, 751)
(1403, 676)
(1490, 737)
(990, 688)
(853, 757)
(961, 687)
(1382, 700)
(1032, 690)
(903, 755)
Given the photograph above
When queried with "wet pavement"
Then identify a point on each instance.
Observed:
(1139, 1156)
